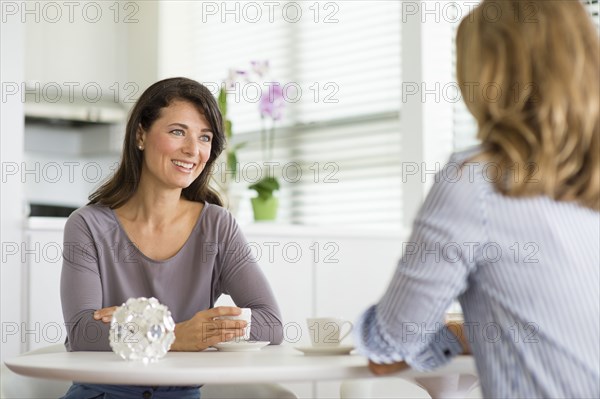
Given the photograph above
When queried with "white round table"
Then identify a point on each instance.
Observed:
(270, 364)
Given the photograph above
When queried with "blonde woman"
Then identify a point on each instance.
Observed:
(512, 227)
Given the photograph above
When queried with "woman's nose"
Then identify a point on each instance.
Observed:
(191, 146)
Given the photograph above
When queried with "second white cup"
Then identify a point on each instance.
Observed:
(327, 331)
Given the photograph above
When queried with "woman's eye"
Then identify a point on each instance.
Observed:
(178, 132)
(205, 138)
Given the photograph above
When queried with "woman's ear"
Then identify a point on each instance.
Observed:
(140, 137)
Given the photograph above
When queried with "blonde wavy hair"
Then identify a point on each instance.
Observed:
(529, 74)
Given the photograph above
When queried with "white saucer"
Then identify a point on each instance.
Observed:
(242, 346)
(325, 350)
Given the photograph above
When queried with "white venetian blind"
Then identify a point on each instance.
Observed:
(465, 126)
(594, 10)
(337, 149)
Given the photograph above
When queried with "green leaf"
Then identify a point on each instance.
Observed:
(239, 146)
(228, 129)
(265, 187)
(232, 163)
(222, 102)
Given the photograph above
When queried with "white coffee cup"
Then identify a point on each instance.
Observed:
(327, 331)
(246, 316)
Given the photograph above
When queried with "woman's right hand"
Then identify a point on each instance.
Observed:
(202, 331)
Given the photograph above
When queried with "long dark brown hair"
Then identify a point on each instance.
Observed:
(123, 184)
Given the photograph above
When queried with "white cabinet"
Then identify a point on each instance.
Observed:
(81, 46)
(44, 323)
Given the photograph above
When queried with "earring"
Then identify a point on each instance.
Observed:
(141, 147)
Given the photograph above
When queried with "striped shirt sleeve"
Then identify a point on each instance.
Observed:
(408, 322)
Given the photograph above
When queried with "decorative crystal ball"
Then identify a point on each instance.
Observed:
(142, 329)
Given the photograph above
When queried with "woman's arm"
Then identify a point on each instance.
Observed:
(407, 325)
(81, 289)
(458, 329)
(455, 327)
(242, 278)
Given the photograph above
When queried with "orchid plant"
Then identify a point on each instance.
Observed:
(231, 152)
(270, 106)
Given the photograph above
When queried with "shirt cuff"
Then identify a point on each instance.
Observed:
(373, 343)
(440, 349)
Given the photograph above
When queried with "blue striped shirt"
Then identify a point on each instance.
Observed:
(526, 273)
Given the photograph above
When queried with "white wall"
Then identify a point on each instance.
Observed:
(11, 152)
(426, 115)
(142, 46)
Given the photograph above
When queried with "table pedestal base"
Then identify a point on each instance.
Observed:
(447, 386)
(451, 386)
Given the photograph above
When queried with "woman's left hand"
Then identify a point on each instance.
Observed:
(105, 314)
(382, 369)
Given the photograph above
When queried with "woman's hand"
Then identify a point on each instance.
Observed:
(457, 328)
(105, 314)
(202, 331)
(382, 369)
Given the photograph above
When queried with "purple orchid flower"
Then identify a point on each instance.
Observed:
(260, 68)
(272, 102)
(232, 78)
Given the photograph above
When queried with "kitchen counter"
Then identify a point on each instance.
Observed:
(251, 229)
(45, 223)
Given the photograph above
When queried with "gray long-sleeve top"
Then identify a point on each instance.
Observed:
(102, 268)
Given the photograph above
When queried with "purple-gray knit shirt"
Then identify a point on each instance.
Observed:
(102, 268)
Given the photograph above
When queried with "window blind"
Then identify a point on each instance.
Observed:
(465, 126)
(336, 151)
(594, 10)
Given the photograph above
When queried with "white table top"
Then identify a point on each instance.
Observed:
(271, 364)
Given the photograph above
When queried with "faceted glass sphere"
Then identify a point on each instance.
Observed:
(142, 329)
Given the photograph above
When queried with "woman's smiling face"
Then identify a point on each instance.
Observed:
(176, 147)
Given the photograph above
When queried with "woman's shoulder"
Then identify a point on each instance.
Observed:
(218, 221)
(95, 216)
(91, 210)
(466, 155)
(469, 165)
(216, 212)
(463, 175)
